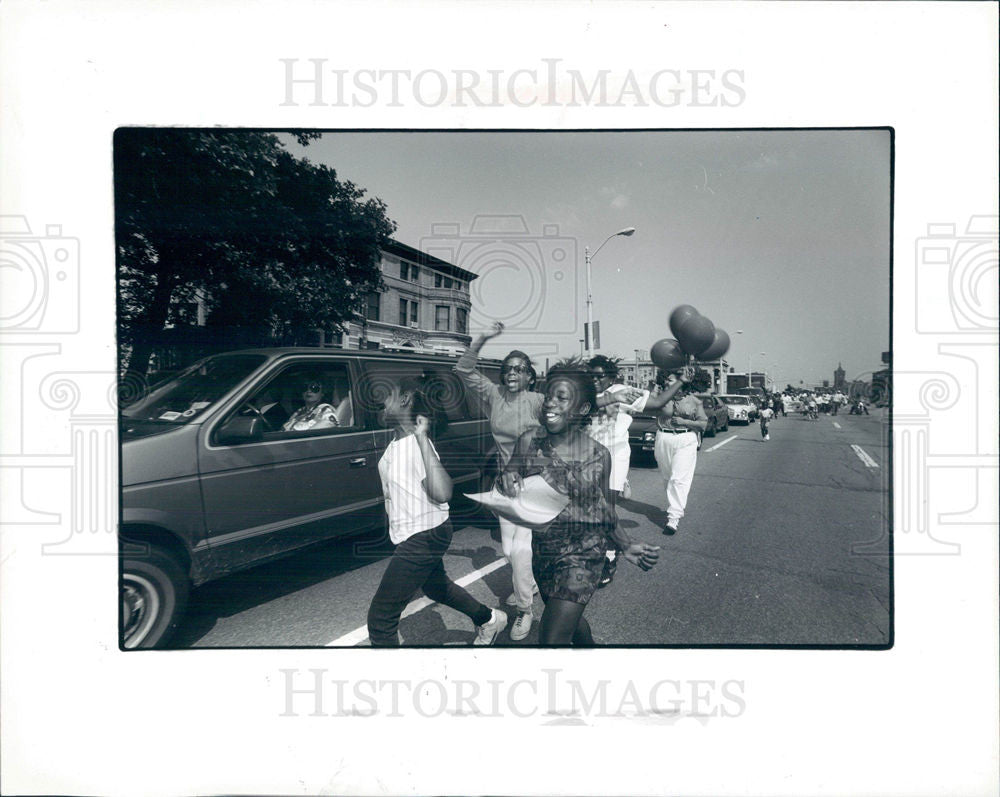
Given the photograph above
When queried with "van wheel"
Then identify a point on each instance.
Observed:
(154, 593)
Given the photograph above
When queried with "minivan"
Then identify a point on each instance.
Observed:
(212, 482)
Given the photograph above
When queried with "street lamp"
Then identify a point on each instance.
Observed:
(637, 383)
(590, 299)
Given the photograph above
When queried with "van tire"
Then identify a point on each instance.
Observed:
(154, 592)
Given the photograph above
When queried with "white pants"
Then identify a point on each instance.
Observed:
(676, 457)
(516, 543)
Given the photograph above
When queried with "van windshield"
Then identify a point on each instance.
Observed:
(186, 396)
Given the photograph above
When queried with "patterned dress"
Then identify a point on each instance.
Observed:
(568, 554)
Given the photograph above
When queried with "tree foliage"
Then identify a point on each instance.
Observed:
(272, 244)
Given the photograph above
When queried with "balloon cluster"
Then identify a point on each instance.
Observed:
(694, 336)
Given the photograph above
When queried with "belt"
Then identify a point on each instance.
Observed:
(673, 431)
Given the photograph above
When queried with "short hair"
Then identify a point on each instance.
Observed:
(422, 402)
(522, 356)
(575, 370)
(600, 361)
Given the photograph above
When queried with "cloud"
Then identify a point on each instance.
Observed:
(618, 200)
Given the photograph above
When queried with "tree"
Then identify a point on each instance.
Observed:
(273, 245)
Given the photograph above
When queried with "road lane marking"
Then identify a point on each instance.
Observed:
(837, 425)
(359, 635)
(720, 445)
(863, 456)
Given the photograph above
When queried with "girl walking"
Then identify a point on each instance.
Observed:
(569, 553)
(417, 490)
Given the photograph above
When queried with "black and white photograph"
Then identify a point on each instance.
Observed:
(497, 398)
(366, 400)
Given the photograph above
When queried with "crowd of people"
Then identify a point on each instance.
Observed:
(575, 436)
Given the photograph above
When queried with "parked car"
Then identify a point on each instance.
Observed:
(212, 483)
(642, 437)
(717, 412)
(741, 409)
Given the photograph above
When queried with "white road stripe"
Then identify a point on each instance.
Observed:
(720, 445)
(359, 635)
(836, 425)
(863, 456)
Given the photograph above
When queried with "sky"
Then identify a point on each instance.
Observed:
(781, 234)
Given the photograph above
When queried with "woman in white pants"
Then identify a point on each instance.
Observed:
(513, 408)
(676, 446)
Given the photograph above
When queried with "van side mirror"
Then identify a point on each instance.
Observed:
(240, 429)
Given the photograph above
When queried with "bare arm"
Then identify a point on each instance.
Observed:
(437, 483)
(666, 395)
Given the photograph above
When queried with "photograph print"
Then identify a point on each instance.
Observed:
(536, 388)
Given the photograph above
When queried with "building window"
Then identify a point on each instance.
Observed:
(404, 270)
(458, 286)
(372, 306)
(411, 309)
(461, 320)
(447, 282)
(442, 318)
(437, 280)
(414, 273)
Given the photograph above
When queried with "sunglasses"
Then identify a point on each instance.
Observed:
(312, 387)
(515, 369)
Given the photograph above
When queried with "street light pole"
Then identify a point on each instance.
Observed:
(590, 299)
(637, 384)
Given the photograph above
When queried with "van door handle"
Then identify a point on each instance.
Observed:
(358, 462)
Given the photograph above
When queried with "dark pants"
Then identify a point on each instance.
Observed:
(835, 408)
(416, 565)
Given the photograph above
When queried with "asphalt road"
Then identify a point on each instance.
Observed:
(785, 542)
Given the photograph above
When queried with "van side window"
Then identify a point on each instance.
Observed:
(304, 399)
(445, 392)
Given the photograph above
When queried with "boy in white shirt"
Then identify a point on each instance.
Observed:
(765, 418)
(417, 489)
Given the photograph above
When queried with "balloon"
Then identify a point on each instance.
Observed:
(680, 314)
(696, 334)
(719, 346)
(667, 354)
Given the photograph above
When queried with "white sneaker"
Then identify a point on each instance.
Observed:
(522, 626)
(487, 634)
(767, 437)
(512, 598)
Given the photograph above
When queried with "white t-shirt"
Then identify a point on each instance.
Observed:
(766, 414)
(609, 426)
(410, 509)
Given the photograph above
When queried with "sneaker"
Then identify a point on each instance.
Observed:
(669, 530)
(767, 437)
(522, 626)
(610, 566)
(512, 598)
(486, 634)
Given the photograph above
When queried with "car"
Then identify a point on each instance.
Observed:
(211, 482)
(717, 412)
(642, 437)
(741, 409)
